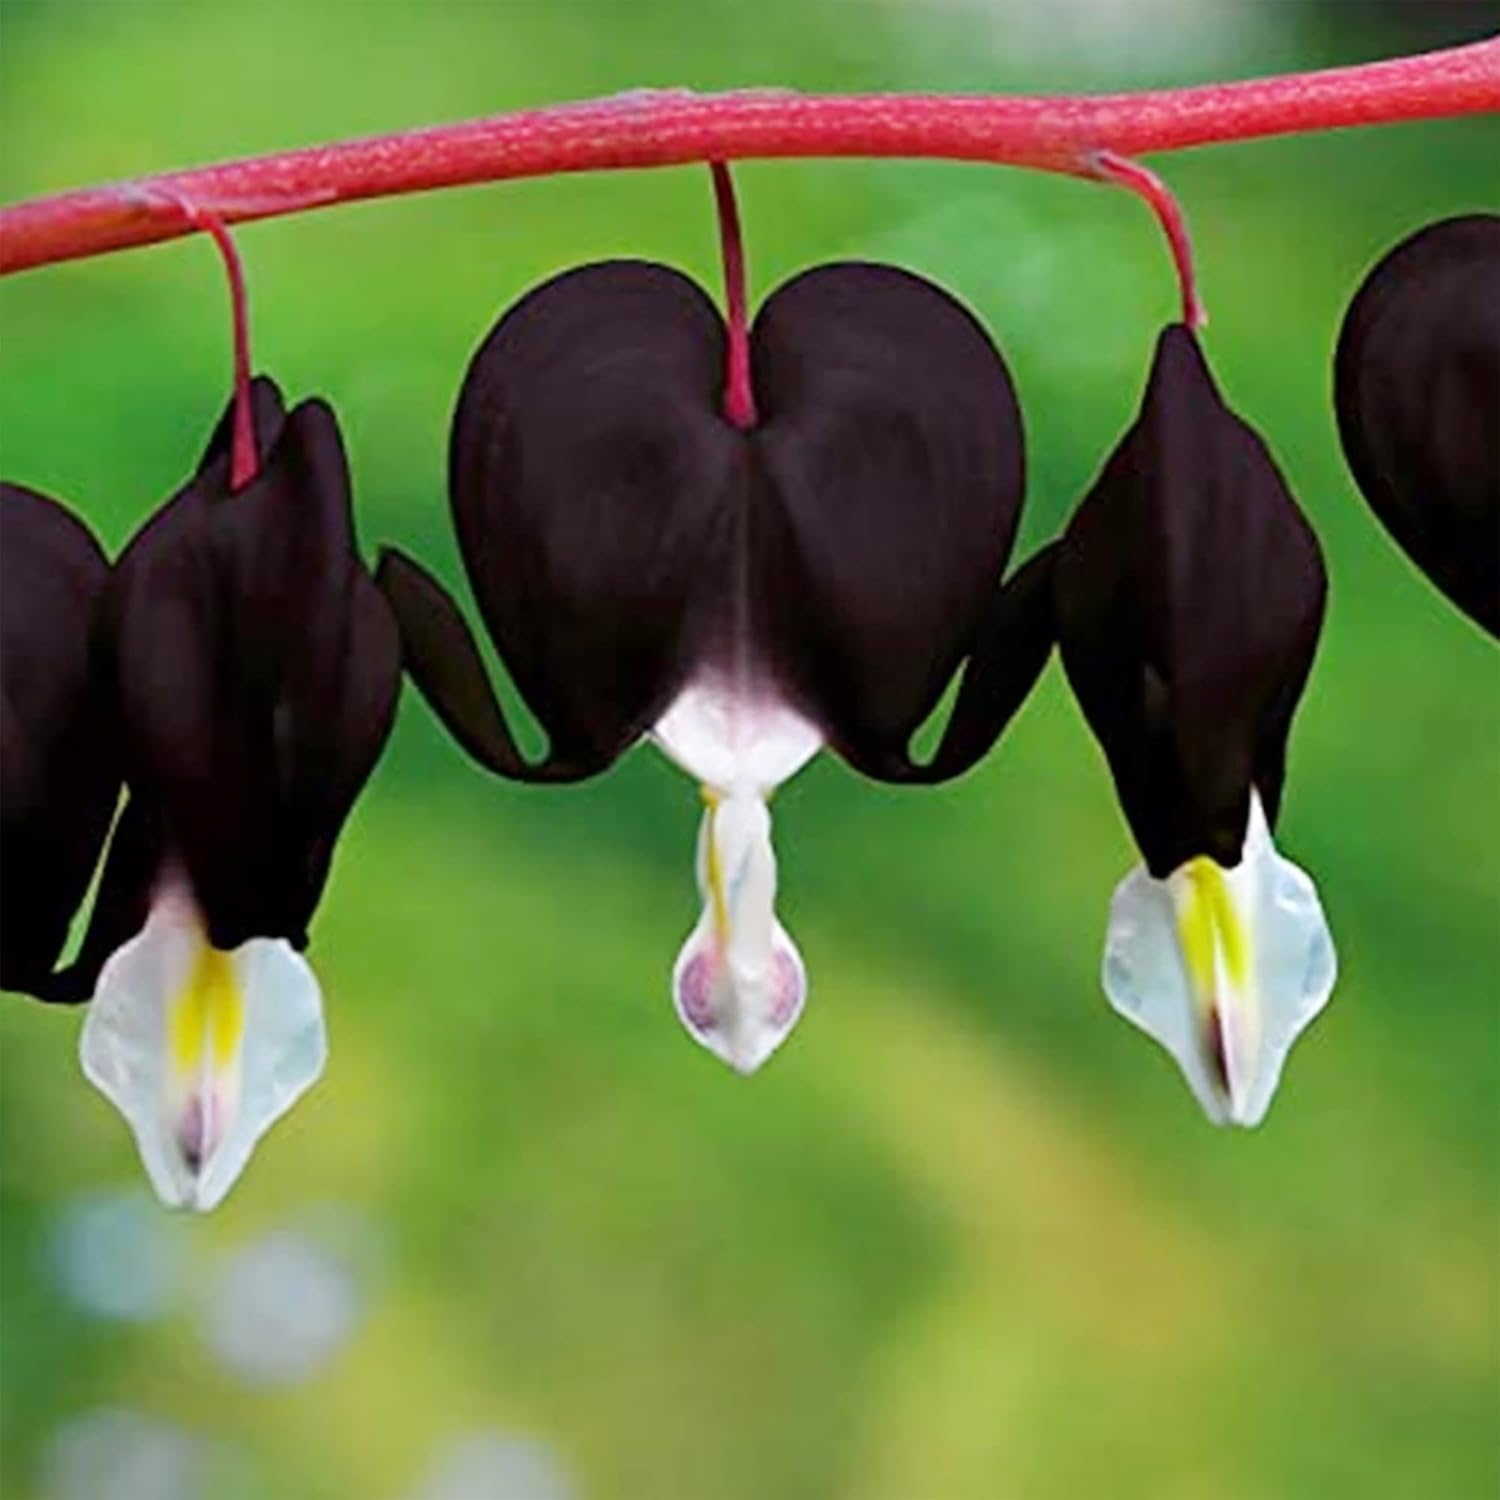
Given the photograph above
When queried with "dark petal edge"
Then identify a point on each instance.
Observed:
(891, 459)
(59, 762)
(1190, 594)
(440, 656)
(1418, 433)
(591, 479)
(268, 415)
(1011, 648)
(136, 855)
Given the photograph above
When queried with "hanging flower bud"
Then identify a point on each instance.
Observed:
(59, 773)
(646, 567)
(1189, 591)
(1417, 386)
(255, 667)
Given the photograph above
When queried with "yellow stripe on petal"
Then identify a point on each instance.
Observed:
(718, 898)
(201, 1050)
(1225, 967)
(1195, 926)
(207, 1018)
(1211, 931)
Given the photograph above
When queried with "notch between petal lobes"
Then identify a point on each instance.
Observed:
(1224, 967)
(201, 1050)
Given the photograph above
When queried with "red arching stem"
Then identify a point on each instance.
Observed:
(739, 397)
(1142, 180)
(244, 462)
(1055, 133)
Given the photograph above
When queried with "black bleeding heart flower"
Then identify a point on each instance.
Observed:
(59, 771)
(1189, 592)
(254, 668)
(742, 597)
(1417, 388)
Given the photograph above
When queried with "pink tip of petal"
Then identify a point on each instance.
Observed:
(789, 988)
(695, 992)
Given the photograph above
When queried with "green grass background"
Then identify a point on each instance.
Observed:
(967, 1236)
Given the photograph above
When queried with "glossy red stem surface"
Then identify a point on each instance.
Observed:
(648, 129)
(244, 460)
(739, 395)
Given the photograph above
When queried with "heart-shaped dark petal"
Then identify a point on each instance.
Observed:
(591, 479)
(59, 767)
(890, 474)
(621, 537)
(1417, 387)
(1189, 592)
(257, 668)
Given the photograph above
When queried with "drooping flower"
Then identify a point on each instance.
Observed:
(254, 667)
(59, 769)
(1189, 591)
(1417, 388)
(742, 597)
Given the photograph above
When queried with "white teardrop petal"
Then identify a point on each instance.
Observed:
(739, 983)
(741, 1018)
(1225, 968)
(201, 1050)
(1146, 983)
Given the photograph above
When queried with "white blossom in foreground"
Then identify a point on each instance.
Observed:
(1189, 591)
(739, 983)
(1225, 968)
(201, 1051)
(739, 560)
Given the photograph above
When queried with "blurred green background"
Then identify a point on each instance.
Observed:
(967, 1235)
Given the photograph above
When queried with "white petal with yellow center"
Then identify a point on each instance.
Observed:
(739, 984)
(201, 1050)
(1224, 967)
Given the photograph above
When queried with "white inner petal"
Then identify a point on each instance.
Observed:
(201, 1050)
(1225, 968)
(735, 741)
(739, 983)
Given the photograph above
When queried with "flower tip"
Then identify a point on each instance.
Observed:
(1225, 968)
(201, 1050)
(741, 1016)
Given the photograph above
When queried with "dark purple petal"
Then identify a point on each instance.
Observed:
(621, 537)
(439, 653)
(328, 761)
(1417, 387)
(1015, 637)
(888, 472)
(1189, 595)
(59, 766)
(257, 670)
(594, 489)
(268, 413)
(199, 744)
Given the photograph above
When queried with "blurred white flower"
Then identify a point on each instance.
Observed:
(116, 1454)
(116, 1255)
(276, 1310)
(487, 1465)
